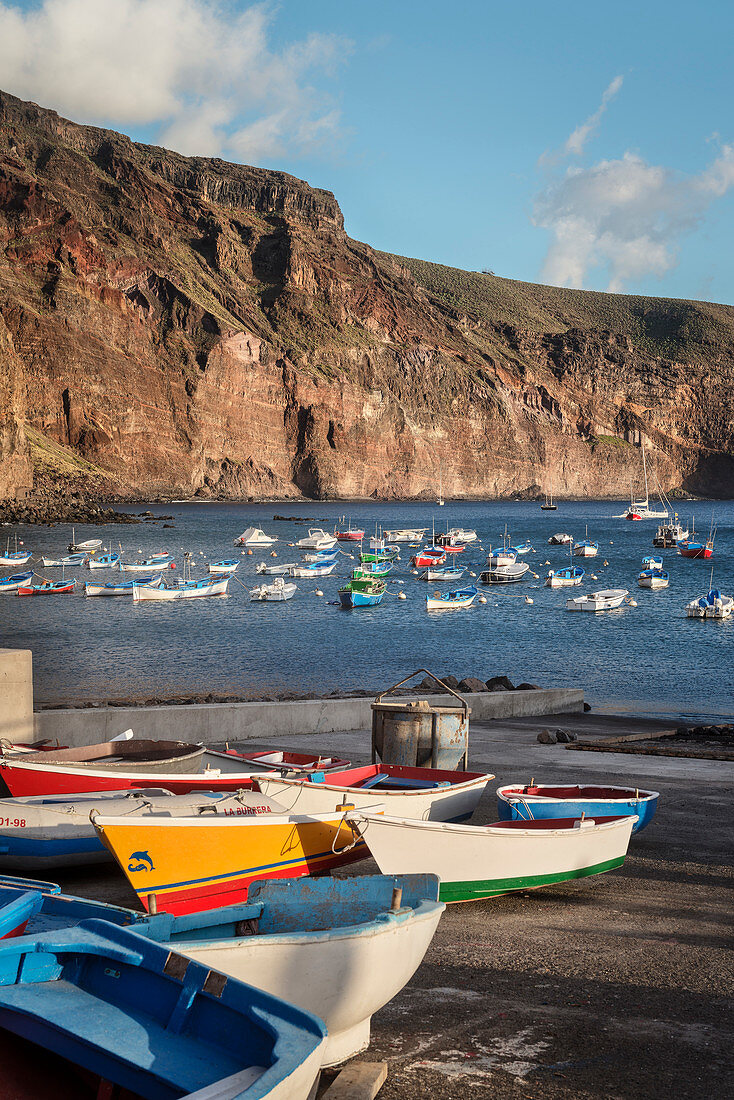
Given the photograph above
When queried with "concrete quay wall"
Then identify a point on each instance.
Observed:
(213, 723)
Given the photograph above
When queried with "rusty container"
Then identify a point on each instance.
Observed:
(419, 734)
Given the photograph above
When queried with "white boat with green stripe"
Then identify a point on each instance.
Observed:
(481, 861)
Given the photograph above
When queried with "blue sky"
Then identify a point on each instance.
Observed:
(443, 129)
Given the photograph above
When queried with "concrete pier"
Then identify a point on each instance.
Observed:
(218, 722)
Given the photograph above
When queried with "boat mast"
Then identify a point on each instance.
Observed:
(644, 470)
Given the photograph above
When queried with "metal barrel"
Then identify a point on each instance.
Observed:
(420, 734)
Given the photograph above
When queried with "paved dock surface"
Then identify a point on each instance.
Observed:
(610, 987)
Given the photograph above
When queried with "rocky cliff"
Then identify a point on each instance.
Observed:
(173, 325)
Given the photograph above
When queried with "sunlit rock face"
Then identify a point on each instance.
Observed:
(183, 326)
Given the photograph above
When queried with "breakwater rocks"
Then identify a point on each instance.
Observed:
(59, 510)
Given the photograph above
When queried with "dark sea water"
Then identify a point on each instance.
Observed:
(648, 659)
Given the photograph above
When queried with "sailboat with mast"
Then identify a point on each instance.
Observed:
(640, 509)
(549, 506)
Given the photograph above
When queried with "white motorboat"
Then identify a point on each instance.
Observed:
(406, 534)
(253, 536)
(275, 592)
(317, 539)
(276, 570)
(560, 539)
(505, 574)
(565, 578)
(713, 605)
(605, 600)
(88, 546)
(653, 578)
(463, 534)
(188, 590)
(314, 569)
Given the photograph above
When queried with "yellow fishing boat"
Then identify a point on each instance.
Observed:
(200, 861)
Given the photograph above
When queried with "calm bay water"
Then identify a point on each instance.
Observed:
(649, 658)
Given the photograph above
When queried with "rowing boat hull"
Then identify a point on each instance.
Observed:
(518, 804)
(482, 861)
(454, 802)
(196, 863)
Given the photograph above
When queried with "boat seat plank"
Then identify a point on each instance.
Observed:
(130, 1038)
(404, 783)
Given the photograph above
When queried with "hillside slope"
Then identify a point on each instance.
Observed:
(192, 327)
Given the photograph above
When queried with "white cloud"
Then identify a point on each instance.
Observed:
(625, 216)
(575, 142)
(203, 75)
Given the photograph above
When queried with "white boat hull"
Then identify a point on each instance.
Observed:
(479, 861)
(143, 592)
(304, 571)
(223, 570)
(585, 551)
(138, 567)
(23, 559)
(436, 804)
(273, 593)
(317, 539)
(653, 582)
(554, 581)
(606, 600)
(343, 976)
(274, 570)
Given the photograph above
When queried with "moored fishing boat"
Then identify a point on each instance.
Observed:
(362, 591)
(186, 590)
(505, 574)
(70, 560)
(481, 861)
(253, 536)
(541, 801)
(229, 565)
(429, 556)
(694, 548)
(565, 578)
(87, 545)
(211, 859)
(653, 578)
(15, 558)
(450, 601)
(340, 948)
(560, 539)
(500, 556)
(350, 534)
(430, 793)
(276, 592)
(316, 539)
(154, 564)
(143, 1018)
(312, 569)
(268, 569)
(46, 588)
(714, 605)
(585, 549)
(522, 547)
(15, 581)
(120, 588)
(387, 553)
(605, 600)
(450, 542)
(406, 534)
(652, 563)
(324, 556)
(104, 561)
(670, 534)
(463, 534)
(449, 573)
(373, 569)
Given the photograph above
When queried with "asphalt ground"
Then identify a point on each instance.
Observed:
(616, 986)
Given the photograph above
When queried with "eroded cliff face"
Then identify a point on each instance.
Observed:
(187, 326)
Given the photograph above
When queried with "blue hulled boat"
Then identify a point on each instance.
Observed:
(461, 597)
(518, 803)
(13, 583)
(362, 591)
(136, 1014)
